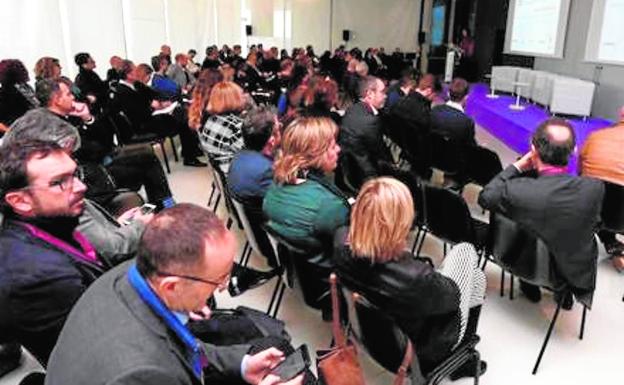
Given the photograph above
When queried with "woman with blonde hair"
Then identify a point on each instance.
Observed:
(432, 307)
(302, 205)
(47, 68)
(221, 136)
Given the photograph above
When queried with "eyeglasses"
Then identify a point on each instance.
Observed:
(64, 183)
(196, 279)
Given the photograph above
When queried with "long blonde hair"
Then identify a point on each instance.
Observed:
(381, 219)
(304, 145)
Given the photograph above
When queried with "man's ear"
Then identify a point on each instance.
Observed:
(20, 201)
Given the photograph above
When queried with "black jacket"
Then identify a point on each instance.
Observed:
(454, 124)
(361, 143)
(564, 210)
(423, 302)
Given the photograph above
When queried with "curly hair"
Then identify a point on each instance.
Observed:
(45, 68)
(201, 95)
(322, 93)
(12, 71)
(305, 143)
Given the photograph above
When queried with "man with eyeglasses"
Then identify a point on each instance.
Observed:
(45, 264)
(130, 327)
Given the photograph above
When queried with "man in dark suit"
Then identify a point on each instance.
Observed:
(450, 120)
(361, 140)
(409, 125)
(130, 326)
(564, 210)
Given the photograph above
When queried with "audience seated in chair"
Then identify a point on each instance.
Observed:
(601, 158)
(72, 126)
(45, 263)
(16, 95)
(179, 73)
(562, 209)
(220, 136)
(450, 120)
(302, 205)
(430, 306)
(93, 89)
(185, 255)
(251, 172)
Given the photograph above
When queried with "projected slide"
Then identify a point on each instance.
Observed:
(611, 45)
(535, 26)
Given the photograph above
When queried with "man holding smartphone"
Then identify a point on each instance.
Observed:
(130, 327)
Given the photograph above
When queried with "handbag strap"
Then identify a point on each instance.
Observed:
(405, 364)
(339, 337)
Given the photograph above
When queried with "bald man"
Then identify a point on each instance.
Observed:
(563, 209)
(601, 158)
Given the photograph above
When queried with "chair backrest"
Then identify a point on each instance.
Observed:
(613, 207)
(446, 154)
(253, 231)
(347, 176)
(378, 334)
(447, 215)
(221, 181)
(482, 164)
(523, 253)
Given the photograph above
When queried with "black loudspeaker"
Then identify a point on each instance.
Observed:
(422, 37)
(346, 35)
(248, 30)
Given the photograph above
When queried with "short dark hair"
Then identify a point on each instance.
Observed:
(81, 58)
(12, 71)
(257, 127)
(551, 151)
(458, 89)
(174, 240)
(45, 89)
(408, 75)
(192, 52)
(14, 157)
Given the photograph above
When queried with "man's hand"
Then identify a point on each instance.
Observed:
(525, 163)
(3, 128)
(201, 315)
(272, 379)
(260, 364)
(134, 214)
(81, 110)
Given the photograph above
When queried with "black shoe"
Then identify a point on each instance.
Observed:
(532, 292)
(194, 162)
(566, 301)
(245, 278)
(468, 370)
(10, 357)
(614, 248)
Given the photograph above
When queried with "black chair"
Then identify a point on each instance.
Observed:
(384, 341)
(220, 180)
(33, 378)
(347, 175)
(126, 135)
(613, 207)
(525, 255)
(449, 156)
(310, 268)
(482, 165)
(447, 217)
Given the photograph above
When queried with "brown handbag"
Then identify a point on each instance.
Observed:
(341, 365)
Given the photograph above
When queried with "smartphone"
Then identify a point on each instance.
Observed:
(293, 364)
(147, 208)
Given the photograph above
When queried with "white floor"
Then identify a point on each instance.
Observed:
(511, 331)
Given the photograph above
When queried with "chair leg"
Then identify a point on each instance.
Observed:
(550, 329)
(229, 223)
(278, 295)
(242, 261)
(165, 159)
(173, 148)
(216, 205)
(477, 358)
(416, 240)
(582, 332)
(422, 242)
(212, 191)
(502, 283)
(444, 248)
(511, 287)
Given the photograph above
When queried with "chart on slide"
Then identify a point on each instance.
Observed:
(535, 26)
(611, 46)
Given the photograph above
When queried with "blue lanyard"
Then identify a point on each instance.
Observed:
(151, 299)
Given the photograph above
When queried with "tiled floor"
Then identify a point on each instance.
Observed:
(511, 331)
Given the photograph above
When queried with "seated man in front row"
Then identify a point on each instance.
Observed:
(130, 326)
(564, 210)
(450, 120)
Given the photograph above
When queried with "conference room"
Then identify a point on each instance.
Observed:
(451, 168)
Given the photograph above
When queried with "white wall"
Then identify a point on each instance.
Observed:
(610, 90)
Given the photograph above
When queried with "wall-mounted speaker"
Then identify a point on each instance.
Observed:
(248, 30)
(346, 35)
